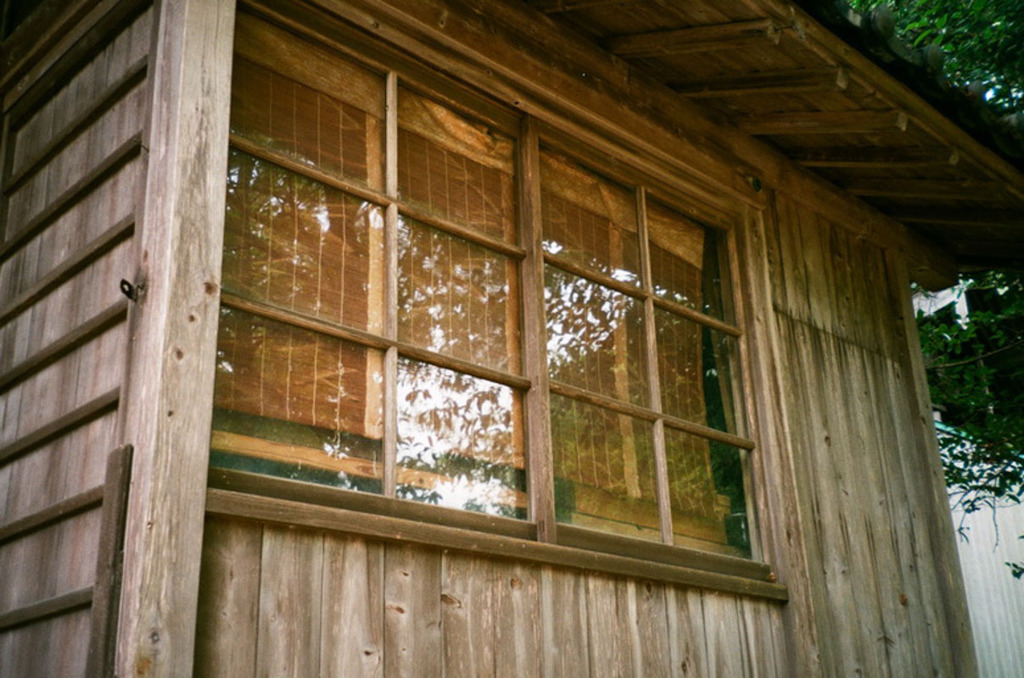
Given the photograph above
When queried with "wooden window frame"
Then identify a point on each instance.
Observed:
(539, 538)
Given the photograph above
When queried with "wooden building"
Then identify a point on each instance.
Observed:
(479, 337)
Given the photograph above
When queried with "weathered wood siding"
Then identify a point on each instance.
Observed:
(877, 546)
(72, 178)
(279, 601)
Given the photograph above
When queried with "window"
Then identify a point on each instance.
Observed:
(373, 320)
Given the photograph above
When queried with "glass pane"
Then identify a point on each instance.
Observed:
(688, 263)
(459, 441)
(297, 404)
(699, 370)
(595, 337)
(458, 169)
(457, 298)
(301, 245)
(604, 469)
(307, 103)
(588, 220)
(706, 492)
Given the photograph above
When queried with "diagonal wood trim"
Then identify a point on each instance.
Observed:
(91, 328)
(106, 168)
(79, 416)
(107, 590)
(44, 609)
(62, 510)
(758, 32)
(82, 258)
(822, 122)
(877, 158)
(778, 82)
(135, 74)
(265, 509)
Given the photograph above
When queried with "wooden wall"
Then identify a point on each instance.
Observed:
(878, 545)
(72, 178)
(282, 601)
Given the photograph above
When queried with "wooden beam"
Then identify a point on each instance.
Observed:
(559, 6)
(822, 122)
(926, 189)
(168, 400)
(771, 82)
(959, 216)
(876, 158)
(736, 35)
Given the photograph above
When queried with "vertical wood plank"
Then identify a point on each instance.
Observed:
(564, 618)
(229, 592)
(468, 616)
(517, 638)
(169, 393)
(687, 645)
(412, 612)
(352, 642)
(612, 640)
(291, 593)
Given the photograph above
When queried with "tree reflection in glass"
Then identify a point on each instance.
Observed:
(459, 441)
(595, 337)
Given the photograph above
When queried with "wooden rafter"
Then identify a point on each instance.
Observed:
(559, 6)
(822, 122)
(926, 189)
(759, 32)
(877, 158)
(777, 82)
(944, 216)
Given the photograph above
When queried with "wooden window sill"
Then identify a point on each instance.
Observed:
(233, 493)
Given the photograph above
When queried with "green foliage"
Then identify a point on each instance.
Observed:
(981, 38)
(975, 370)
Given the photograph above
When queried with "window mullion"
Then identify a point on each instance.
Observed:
(653, 378)
(538, 402)
(390, 441)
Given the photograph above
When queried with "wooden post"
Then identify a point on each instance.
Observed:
(169, 392)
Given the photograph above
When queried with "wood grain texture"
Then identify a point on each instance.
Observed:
(353, 599)
(412, 612)
(167, 418)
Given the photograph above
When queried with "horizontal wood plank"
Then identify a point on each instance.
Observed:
(822, 122)
(71, 506)
(79, 416)
(764, 83)
(44, 609)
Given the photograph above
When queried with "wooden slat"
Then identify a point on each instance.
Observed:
(291, 586)
(77, 417)
(558, 6)
(90, 329)
(564, 623)
(764, 83)
(353, 601)
(468, 616)
(412, 612)
(221, 502)
(229, 599)
(737, 35)
(844, 157)
(44, 609)
(107, 587)
(135, 74)
(103, 170)
(54, 513)
(75, 263)
(516, 601)
(927, 189)
(822, 122)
